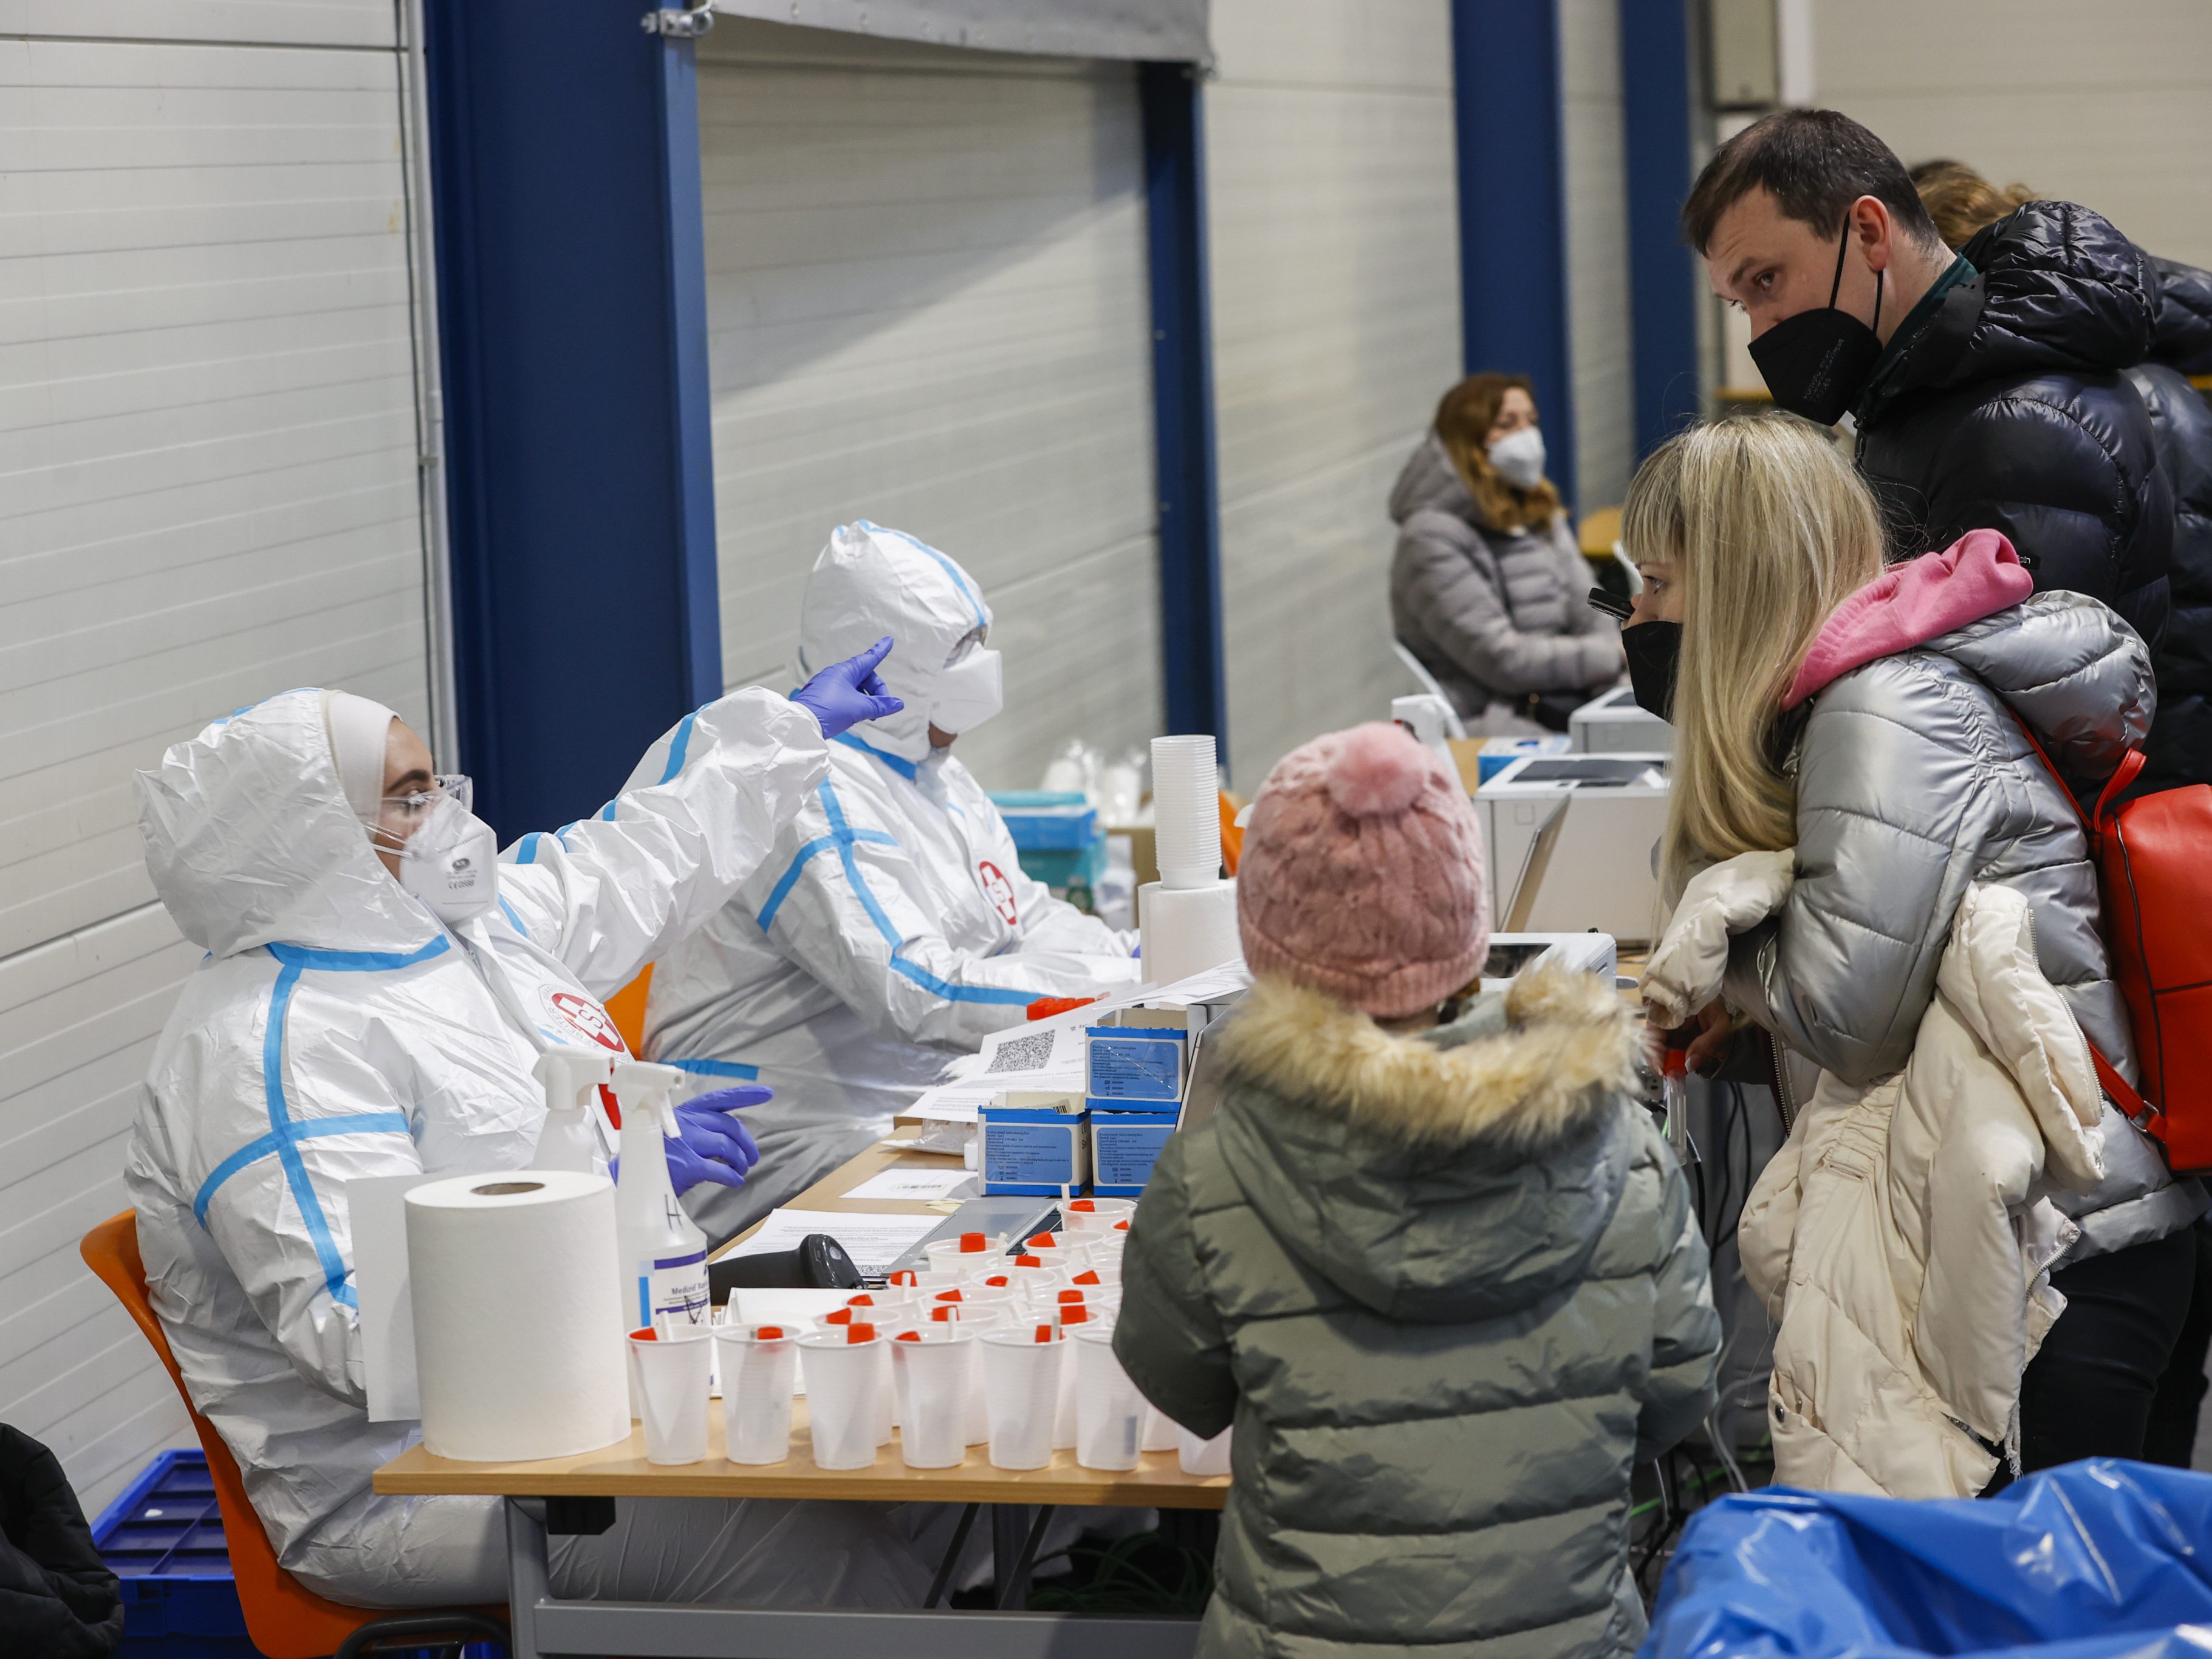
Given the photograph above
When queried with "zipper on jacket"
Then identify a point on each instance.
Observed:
(1777, 1073)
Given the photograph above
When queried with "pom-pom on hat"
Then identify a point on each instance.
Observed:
(1362, 874)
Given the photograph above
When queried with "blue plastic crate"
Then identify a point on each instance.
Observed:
(163, 1539)
(1048, 820)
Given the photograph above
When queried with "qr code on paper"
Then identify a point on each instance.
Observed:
(1022, 1053)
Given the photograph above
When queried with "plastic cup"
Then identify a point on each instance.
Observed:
(672, 1373)
(932, 1370)
(906, 1279)
(844, 1393)
(1110, 1412)
(1070, 1318)
(1021, 1380)
(951, 1254)
(760, 1365)
(1096, 1215)
(1198, 1456)
(1160, 1433)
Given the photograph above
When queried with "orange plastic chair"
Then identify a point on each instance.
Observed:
(285, 1619)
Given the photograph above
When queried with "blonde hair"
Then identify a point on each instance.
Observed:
(1464, 418)
(1961, 202)
(1768, 530)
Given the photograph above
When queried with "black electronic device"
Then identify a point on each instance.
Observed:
(1605, 599)
(818, 1263)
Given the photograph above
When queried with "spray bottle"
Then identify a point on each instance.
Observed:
(571, 1076)
(664, 1252)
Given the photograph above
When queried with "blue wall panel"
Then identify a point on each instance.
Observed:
(1512, 207)
(564, 152)
(1655, 89)
(1182, 392)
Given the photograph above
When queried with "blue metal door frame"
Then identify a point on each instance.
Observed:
(1654, 125)
(1511, 126)
(1195, 687)
(565, 168)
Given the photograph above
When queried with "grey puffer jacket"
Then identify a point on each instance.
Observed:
(1493, 614)
(1448, 1287)
(1913, 780)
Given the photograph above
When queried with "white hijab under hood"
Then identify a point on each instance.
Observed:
(870, 581)
(250, 839)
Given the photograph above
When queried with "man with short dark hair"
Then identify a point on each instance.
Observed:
(1987, 394)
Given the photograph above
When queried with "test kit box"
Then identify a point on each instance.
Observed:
(1136, 1064)
(1124, 1145)
(1034, 1142)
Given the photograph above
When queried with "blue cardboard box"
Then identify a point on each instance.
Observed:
(1135, 1066)
(1123, 1147)
(1034, 1143)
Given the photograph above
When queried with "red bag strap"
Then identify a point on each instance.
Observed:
(2125, 1094)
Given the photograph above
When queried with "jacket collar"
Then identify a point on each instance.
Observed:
(1522, 1071)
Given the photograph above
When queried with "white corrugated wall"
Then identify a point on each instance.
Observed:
(208, 438)
(928, 306)
(1597, 250)
(2109, 104)
(1336, 327)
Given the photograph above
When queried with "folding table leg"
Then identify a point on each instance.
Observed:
(1010, 1531)
(527, 1580)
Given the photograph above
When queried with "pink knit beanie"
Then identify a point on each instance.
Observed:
(1362, 874)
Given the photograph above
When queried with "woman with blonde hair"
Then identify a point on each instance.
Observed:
(1487, 585)
(1879, 721)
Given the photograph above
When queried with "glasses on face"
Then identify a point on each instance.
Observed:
(400, 816)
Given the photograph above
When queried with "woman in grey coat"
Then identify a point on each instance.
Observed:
(1878, 722)
(1488, 587)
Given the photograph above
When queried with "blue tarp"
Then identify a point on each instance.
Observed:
(2101, 1559)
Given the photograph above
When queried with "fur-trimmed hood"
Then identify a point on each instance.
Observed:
(1454, 1174)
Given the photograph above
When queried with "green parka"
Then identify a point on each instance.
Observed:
(1448, 1286)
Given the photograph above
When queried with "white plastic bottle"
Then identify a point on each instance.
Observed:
(664, 1252)
(569, 1141)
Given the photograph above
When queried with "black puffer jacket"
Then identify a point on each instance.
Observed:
(2012, 411)
(2181, 738)
(58, 1600)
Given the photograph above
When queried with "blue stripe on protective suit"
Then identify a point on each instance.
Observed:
(284, 1136)
(844, 836)
(513, 921)
(906, 768)
(730, 1068)
(959, 584)
(679, 746)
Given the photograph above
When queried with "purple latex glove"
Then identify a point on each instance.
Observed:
(709, 1144)
(846, 693)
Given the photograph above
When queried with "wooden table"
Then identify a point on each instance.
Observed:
(577, 1494)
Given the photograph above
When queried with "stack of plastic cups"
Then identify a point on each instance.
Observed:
(1186, 792)
(1021, 1379)
(758, 1365)
(932, 1366)
(1109, 1411)
(844, 1386)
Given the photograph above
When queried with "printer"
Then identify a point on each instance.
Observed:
(1573, 842)
(1614, 725)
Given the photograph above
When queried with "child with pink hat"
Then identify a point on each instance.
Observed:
(1428, 1254)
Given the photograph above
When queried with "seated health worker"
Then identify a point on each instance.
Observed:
(891, 928)
(376, 990)
(1876, 721)
(1429, 1254)
(1488, 584)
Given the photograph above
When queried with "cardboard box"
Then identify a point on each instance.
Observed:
(1136, 1063)
(1124, 1145)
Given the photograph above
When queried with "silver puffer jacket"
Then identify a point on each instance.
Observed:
(1913, 780)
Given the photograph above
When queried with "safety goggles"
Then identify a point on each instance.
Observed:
(400, 816)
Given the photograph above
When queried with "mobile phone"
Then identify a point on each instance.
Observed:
(1605, 599)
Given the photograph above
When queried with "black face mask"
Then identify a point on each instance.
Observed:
(1815, 362)
(1654, 649)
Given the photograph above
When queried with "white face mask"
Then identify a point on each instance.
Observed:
(451, 863)
(1519, 458)
(968, 693)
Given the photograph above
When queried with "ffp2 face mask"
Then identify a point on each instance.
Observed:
(1815, 362)
(1519, 458)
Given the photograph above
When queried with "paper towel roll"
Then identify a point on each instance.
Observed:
(1187, 930)
(517, 1294)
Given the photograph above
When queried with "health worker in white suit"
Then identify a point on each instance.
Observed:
(891, 928)
(376, 990)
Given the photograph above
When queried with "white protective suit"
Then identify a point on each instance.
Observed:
(892, 927)
(336, 1029)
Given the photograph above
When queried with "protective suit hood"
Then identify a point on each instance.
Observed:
(870, 581)
(250, 840)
